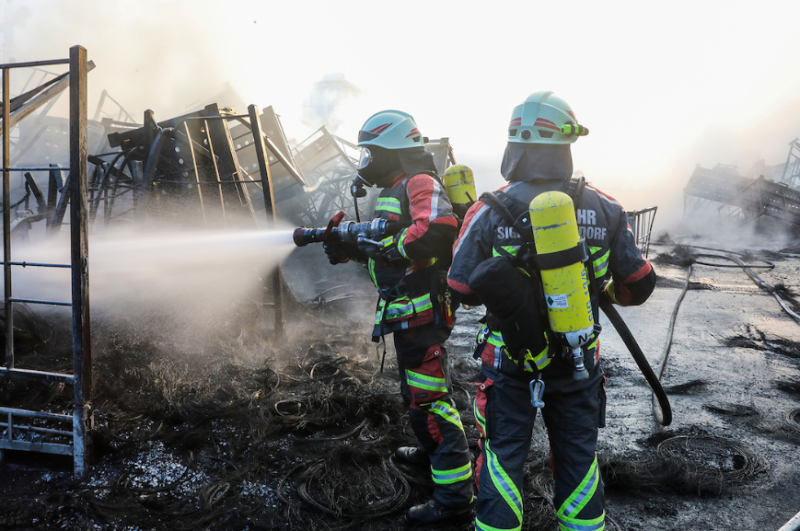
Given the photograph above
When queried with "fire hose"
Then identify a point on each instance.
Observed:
(792, 525)
(663, 415)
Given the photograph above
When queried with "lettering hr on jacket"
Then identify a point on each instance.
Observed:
(586, 220)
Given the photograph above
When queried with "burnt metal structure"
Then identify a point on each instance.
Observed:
(122, 116)
(186, 169)
(791, 172)
(190, 169)
(268, 190)
(81, 378)
(329, 164)
(183, 168)
(167, 169)
(288, 179)
(641, 223)
(741, 197)
(442, 153)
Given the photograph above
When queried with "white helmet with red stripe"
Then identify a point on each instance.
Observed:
(544, 119)
(390, 130)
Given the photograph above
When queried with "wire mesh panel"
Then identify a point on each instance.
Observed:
(329, 165)
(641, 223)
(44, 431)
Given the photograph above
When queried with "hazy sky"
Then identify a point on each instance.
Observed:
(662, 86)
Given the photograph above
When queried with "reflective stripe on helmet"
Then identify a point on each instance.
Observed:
(390, 130)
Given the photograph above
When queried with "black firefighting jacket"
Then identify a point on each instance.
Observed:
(412, 291)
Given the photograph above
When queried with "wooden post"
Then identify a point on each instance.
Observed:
(7, 219)
(79, 173)
(269, 208)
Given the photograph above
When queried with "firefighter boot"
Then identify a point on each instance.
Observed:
(434, 512)
(412, 455)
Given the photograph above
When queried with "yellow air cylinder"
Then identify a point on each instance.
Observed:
(460, 184)
(566, 289)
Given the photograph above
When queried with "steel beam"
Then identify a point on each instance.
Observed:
(194, 168)
(37, 375)
(61, 207)
(45, 448)
(40, 99)
(36, 63)
(35, 414)
(218, 189)
(37, 429)
(36, 301)
(79, 172)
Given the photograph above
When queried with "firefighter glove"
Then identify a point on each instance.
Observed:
(609, 293)
(335, 254)
(382, 251)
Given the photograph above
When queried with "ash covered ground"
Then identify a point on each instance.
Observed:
(244, 433)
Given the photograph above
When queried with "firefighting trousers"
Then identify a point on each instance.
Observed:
(572, 413)
(425, 387)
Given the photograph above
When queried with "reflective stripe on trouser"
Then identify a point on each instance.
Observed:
(571, 426)
(579, 498)
(572, 413)
(435, 421)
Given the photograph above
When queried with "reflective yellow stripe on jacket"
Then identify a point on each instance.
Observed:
(403, 307)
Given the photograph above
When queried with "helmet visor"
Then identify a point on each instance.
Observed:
(364, 159)
(366, 136)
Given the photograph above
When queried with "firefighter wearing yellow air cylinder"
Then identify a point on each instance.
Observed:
(538, 253)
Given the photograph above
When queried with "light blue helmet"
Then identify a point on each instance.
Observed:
(390, 130)
(544, 119)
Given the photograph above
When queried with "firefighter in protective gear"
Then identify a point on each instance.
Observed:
(485, 270)
(409, 270)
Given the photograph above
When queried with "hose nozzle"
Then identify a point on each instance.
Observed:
(300, 237)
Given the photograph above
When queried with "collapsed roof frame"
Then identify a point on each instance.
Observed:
(744, 198)
(189, 158)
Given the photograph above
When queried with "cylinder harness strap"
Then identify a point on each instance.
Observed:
(499, 202)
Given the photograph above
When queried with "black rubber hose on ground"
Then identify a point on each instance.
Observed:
(657, 409)
(763, 285)
(665, 416)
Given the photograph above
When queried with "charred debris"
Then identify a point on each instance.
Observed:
(768, 197)
(214, 168)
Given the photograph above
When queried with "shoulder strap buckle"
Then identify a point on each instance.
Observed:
(574, 187)
(503, 204)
